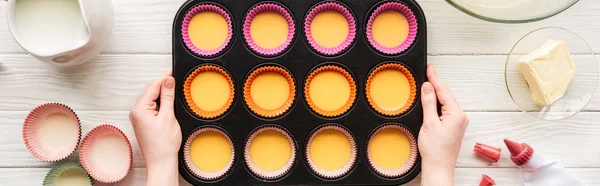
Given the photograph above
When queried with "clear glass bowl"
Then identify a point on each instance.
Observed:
(512, 11)
(581, 89)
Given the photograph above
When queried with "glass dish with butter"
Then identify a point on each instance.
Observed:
(551, 73)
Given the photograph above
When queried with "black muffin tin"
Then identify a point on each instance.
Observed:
(300, 59)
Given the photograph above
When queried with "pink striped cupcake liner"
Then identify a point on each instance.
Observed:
(105, 166)
(412, 158)
(264, 8)
(412, 27)
(267, 174)
(332, 174)
(351, 28)
(46, 149)
(186, 23)
(189, 163)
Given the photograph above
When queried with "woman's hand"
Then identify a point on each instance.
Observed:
(440, 137)
(157, 131)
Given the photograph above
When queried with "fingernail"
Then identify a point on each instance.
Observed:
(427, 88)
(169, 83)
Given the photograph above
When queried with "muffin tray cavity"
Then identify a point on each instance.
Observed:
(294, 92)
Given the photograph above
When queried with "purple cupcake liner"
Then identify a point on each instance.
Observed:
(412, 27)
(274, 8)
(186, 23)
(351, 28)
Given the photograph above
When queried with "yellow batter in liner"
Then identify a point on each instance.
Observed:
(211, 151)
(329, 29)
(209, 91)
(208, 30)
(330, 150)
(269, 30)
(390, 29)
(270, 150)
(331, 90)
(389, 149)
(270, 90)
(391, 89)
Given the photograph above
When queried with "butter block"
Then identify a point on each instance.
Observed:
(548, 71)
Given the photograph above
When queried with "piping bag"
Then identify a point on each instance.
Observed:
(537, 171)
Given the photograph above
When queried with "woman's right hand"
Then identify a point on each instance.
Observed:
(440, 137)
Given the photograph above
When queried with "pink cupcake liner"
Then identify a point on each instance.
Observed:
(189, 163)
(263, 8)
(412, 27)
(265, 174)
(412, 158)
(351, 28)
(86, 155)
(31, 129)
(335, 173)
(186, 23)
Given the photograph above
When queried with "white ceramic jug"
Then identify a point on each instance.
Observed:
(61, 32)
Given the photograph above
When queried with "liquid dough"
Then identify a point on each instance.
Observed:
(211, 151)
(330, 150)
(208, 30)
(72, 177)
(390, 89)
(390, 29)
(389, 149)
(329, 90)
(270, 150)
(269, 30)
(270, 90)
(210, 90)
(57, 132)
(329, 29)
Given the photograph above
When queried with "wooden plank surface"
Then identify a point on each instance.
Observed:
(574, 142)
(469, 54)
(112, 82)
(464, 176)
(144, 26)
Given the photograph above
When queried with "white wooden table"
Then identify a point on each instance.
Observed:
(469, 55)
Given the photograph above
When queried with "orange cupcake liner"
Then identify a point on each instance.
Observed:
(411, 97)
(188, 93)
(408, 165)
(335, 173)
(267, 112)
(86, 155)
(340, 110)
(189, 163)
(265, 174)
(31, 127)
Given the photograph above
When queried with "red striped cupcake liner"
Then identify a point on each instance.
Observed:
(38, 146)
(408, 165)
(189, 163)
(335, 173)
(273, 8)
(186, 23)
(94, 160)
(265, 174)
(351, 28)
(412, 27)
